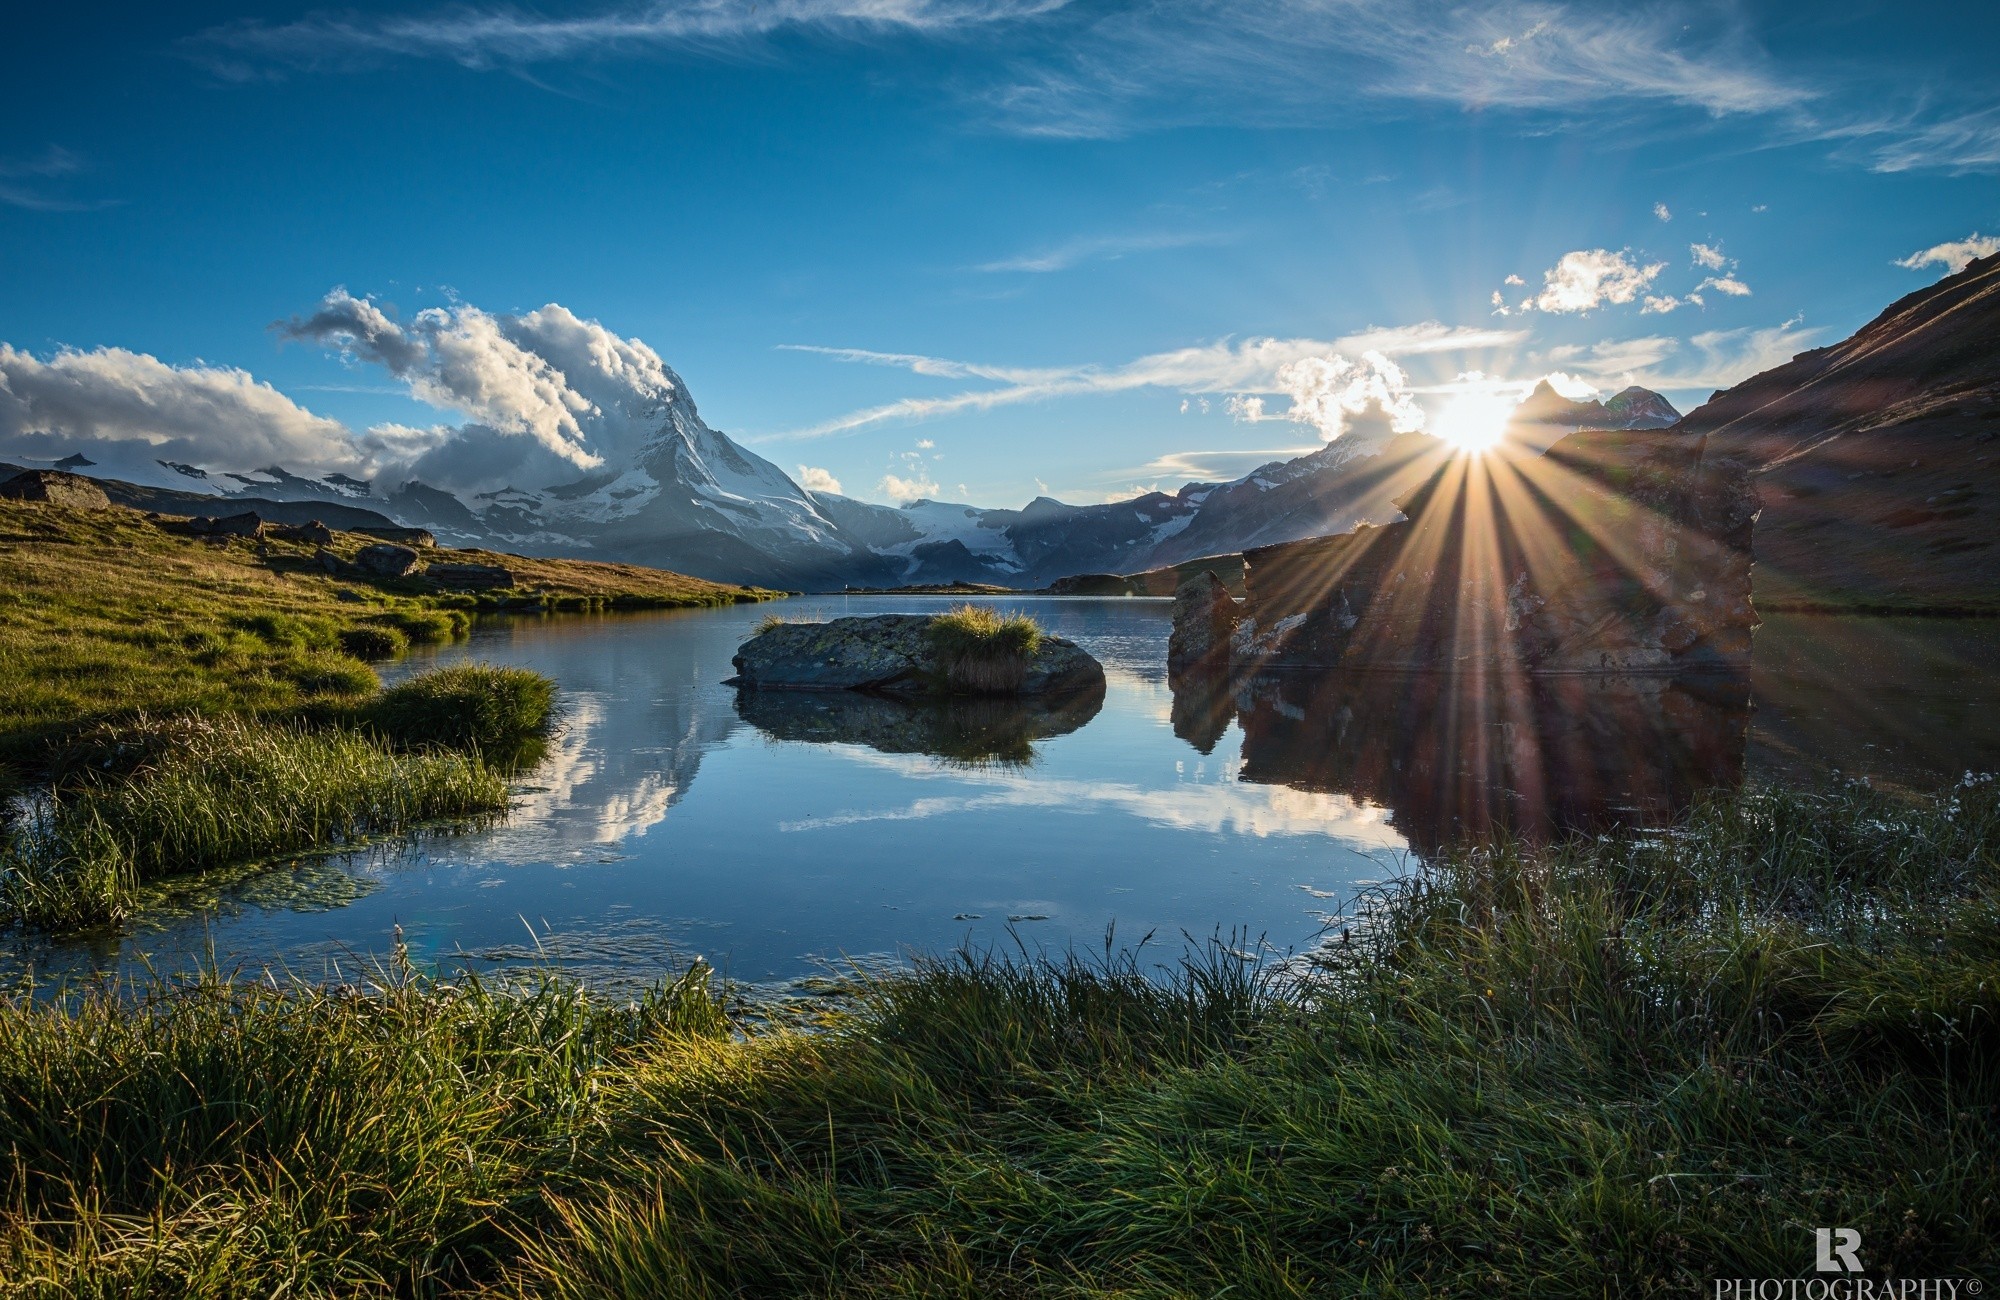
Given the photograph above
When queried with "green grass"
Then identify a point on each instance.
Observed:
(981, 651)
(105, 614)
(371, 644)
(476, 707)
(1622, 1066)
(201, 794)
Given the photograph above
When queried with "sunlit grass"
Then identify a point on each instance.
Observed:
(1657, 1060)
(982, 651)
(213, 793)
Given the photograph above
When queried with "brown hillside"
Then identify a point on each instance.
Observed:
(1879, 457)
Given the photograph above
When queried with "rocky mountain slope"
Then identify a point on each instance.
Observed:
(1878, 458)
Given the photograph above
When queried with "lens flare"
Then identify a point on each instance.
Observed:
(1473, 421)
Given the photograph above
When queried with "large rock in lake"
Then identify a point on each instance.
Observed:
(892, 654)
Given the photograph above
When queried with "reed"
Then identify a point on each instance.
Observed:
(217, 792)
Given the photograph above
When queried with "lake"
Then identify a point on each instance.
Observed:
(776, 834)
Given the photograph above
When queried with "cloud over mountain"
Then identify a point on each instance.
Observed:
(1953, 255)
(546, 395)
(113, 404)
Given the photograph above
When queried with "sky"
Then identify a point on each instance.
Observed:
(977, 250)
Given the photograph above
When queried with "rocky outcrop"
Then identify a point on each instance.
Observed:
(470, 577)
(975, 730)
(1205, 617)
(383, 560)
(312, 533)
(56, 488)
(418, 537)
(1618, 551)
(248, 524)
(890, 654)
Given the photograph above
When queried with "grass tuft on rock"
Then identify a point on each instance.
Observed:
(981, 651)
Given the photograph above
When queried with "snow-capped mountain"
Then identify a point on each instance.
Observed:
(687, 497)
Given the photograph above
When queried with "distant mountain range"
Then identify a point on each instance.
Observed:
(1877, 461)
(695, 501)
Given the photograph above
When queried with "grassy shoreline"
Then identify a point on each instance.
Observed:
(105, 614)
(1607, 1067)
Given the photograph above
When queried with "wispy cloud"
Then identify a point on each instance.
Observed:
(27, 182)
(1249, 366)
(1286, 61)
(507, 37)
(1710, 360)
(1102, 248)
(1966, 142)
(1953, 255)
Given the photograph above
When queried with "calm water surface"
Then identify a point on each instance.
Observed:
(776, 834)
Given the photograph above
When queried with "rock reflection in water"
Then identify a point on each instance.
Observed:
(1453, 756)
(971, 730)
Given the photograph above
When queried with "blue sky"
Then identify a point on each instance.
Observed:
(1045, 238)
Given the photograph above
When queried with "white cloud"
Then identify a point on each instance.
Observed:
(513, 38)
(1663, 303)
(112, 404)
(914, 488)
(1660, 210)
(1589, 278)
(547, 396)
(1514, 279)
(1707, 255)
(1209, 465)
(1955, 255)
(814, 479)
(1245, 408)
(1248, 367)
(1330, 392)
(925, 444)
(1728, 284)
(1106, 248)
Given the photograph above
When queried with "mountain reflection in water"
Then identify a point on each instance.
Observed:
(1458, 756)
(673, 816)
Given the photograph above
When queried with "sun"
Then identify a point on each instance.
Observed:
(1473, 421)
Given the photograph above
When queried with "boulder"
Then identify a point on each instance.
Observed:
(312, 532)
(246, 524)
(56, 488)
(890, 654)
(422, 538)
(474, 577)
(385, 561)
(1205, 617)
